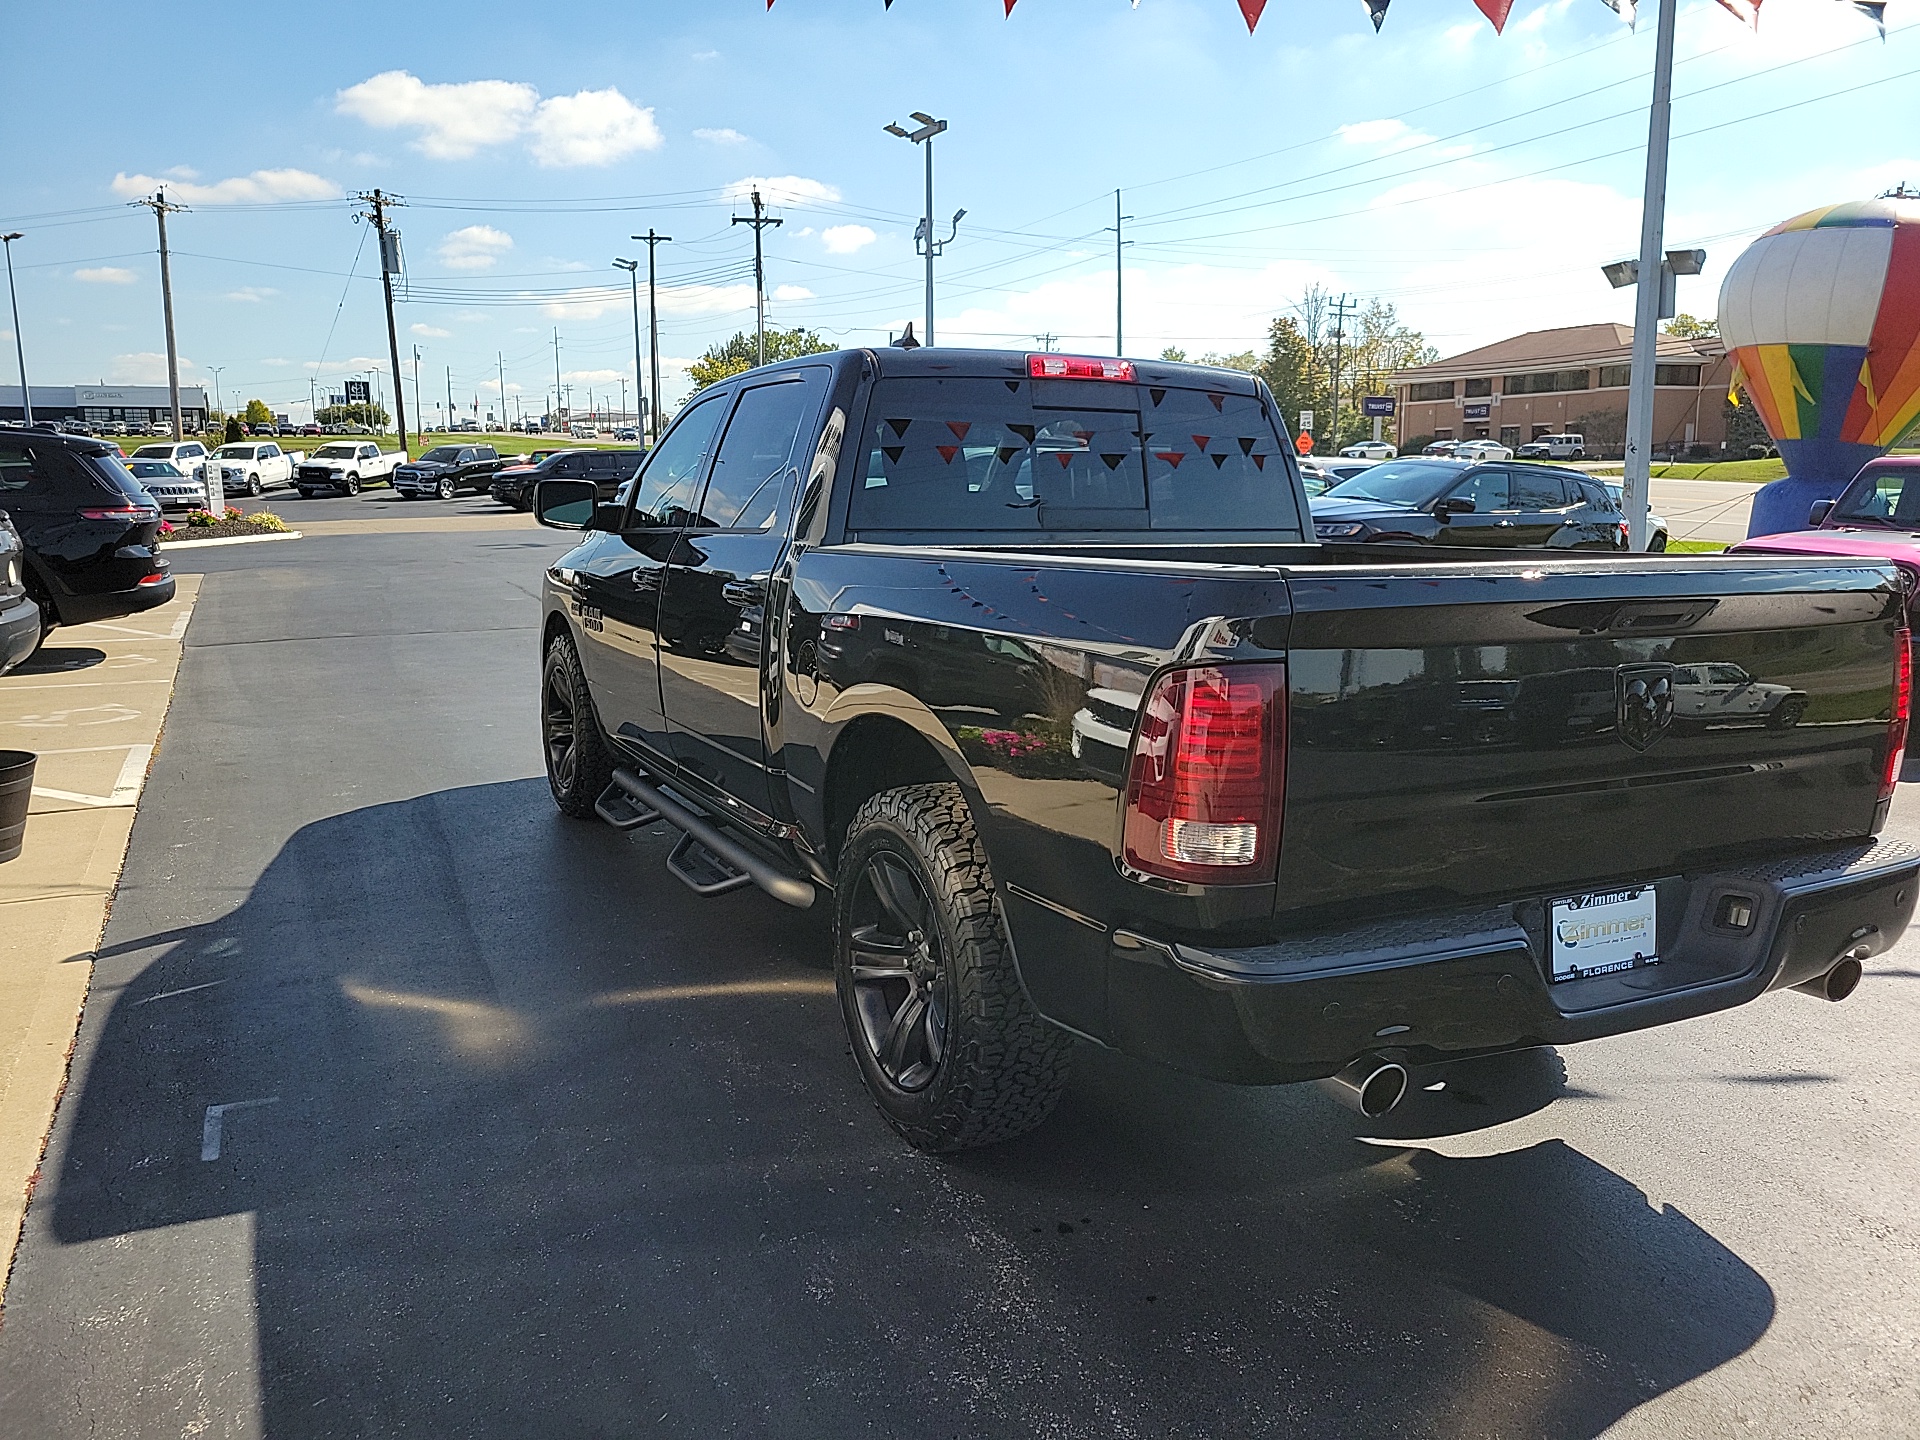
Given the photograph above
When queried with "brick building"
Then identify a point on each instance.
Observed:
(1549, 382)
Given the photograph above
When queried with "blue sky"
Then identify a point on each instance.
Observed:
(1477, 181)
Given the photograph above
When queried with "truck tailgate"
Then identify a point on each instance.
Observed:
(1469, 732)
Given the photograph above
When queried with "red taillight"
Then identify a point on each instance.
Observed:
(1208, 775)
(1902, 710)
(128, 513)
(1078, 367)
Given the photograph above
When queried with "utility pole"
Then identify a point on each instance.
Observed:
(1638, 471)
(449, 398)
(419, 410)
(389, 267)
(923, 241)
(19, 346)
(759, 222)
(313, 405)
(557, 403)
(161, 209)
(622, 418)
(1046, 341)
(653, 327)
(500, 359)
(1118, 287)
(1341, 308)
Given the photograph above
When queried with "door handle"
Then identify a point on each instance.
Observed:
(744, 592)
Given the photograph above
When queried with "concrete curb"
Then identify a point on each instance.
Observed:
(166, 546)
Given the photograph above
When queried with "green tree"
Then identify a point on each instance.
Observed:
(257, 413)
(234, 434)
(1244, 360)
(374, 415)
(1288, 369)
(741, 353)
(1175, 354)
(1688, 328)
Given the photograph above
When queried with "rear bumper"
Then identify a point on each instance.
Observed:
(19, 631)
(1443, 986)
(83, 609)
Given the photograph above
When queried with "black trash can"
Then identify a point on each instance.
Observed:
(16, 791)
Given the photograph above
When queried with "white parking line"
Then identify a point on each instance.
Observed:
(210, 1128)
(126, 789)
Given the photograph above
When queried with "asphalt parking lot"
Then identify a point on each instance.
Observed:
(404, 1105)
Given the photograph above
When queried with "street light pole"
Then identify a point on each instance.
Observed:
(924, 242)
(632, 267)
(1638, 470)
(419, 411)
(19, 346)
(216, 369)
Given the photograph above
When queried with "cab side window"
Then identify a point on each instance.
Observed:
(751, 471)
(1487, 489)
(1532, 490)
(671, 478)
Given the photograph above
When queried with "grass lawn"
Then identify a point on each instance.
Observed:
(1695, 547)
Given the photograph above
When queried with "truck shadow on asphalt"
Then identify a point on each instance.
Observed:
(559, 1148)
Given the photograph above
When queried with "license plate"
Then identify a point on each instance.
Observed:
(1602, 931)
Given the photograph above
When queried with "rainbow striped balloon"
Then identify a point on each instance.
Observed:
(1822, 318)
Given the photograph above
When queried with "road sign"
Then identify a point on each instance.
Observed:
(1306, 422)
(1381, 405)
(1303, 442)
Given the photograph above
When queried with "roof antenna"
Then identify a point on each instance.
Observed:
(906, 341)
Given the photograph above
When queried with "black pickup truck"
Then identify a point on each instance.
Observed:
(1029, 664)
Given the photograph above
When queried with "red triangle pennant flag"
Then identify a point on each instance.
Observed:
(947, 452)
(1249, 8)
(1497, 10)
(1010, 4)
(1745, 11)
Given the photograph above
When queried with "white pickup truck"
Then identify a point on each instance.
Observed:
(346, 465)
(256, 465)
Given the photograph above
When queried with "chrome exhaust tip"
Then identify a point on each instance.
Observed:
(1837, 984)
(1372, 1085)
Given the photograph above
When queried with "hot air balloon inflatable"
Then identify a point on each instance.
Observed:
(1821, 316)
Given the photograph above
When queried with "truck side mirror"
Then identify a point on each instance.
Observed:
(1817, 516)
(1452, 505)
(566, 504)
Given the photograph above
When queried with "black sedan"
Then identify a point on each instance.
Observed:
(1451, 502)
(87, 526)
(446, 470)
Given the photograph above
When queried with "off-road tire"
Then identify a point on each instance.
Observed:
(563, 684)
(1002, 1067)
(306, 494)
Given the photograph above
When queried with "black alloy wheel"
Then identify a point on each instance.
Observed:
(579, 768)
(950, 1047)
(898, 972)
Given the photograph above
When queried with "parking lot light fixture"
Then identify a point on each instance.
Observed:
(19, 347)
(632, 267)
(924, 242)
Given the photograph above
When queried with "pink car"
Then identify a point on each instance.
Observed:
(1876, 517)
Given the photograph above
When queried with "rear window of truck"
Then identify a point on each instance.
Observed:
(1066, 456)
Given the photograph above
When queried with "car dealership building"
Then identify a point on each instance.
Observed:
(138, 406)
(1552, 382)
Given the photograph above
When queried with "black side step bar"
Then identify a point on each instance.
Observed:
(702, 871)
(787, 889)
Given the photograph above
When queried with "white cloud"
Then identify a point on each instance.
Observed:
(593, 377)
(781, 189)
(845, 239)
(146, 367)
(474, 247)
(431, 332)
(251, 294)
(584, 304)
(106, 275)
(1385, 135)
(258, 188)
(726, 135)
(456, 121)
(590, 303)
(705, 55)
(792, 292)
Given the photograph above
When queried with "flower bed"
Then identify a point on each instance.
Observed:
(205, 525)
(1023, 753)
